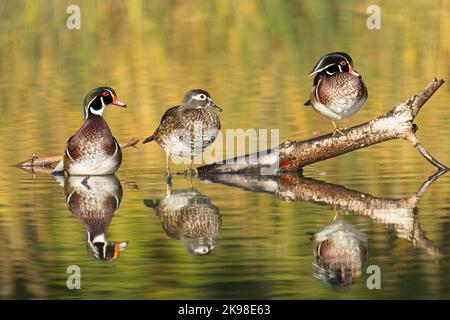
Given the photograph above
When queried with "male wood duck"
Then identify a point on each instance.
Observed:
(93, 150)
(93, 200)
(188, 215)
(189, 128)
(338, 90)
(340, 251)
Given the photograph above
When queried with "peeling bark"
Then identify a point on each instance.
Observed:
(394, 124)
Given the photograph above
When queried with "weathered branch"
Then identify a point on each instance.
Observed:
(399, 215)
(130, 143)
(395, 124)
(47, 161)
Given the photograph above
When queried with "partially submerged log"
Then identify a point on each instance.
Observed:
(48, 161)
(394, 124)
(399, 215)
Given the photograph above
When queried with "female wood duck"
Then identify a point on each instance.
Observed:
(189, 128)
(93, 150)
(93, 200)
(338, 90)
(188, 215)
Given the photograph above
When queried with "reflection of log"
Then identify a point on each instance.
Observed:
(398, 215)
(395, 124)
(48, 161)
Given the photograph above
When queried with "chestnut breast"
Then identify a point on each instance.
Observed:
(341, 88)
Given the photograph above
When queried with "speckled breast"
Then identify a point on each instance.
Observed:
(93, 150)
(342, 94)
(197, 131)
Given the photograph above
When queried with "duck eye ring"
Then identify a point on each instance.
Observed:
(202, 97)
(342, 63)
(105, 93)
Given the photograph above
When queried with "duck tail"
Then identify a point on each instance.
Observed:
(59, 169)
(308, 103)
(149, 203)
(149, 139)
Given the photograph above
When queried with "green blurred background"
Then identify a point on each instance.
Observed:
(253, 57)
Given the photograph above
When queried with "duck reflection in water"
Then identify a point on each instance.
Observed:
(188, 215)
(93, 200)
(340, 251)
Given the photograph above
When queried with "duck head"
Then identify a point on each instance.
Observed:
(98, 99)
(103, 249)
(333, 62)
(198, 99)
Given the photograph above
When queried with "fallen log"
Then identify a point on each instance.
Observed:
(289, 155)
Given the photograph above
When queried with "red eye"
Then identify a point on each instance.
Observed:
(105, 93)
(342, 63)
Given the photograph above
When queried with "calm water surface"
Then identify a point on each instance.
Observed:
(259, 233)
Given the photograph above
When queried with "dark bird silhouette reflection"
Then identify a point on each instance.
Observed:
(189, 216)
(93, 200)
(340, 251)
